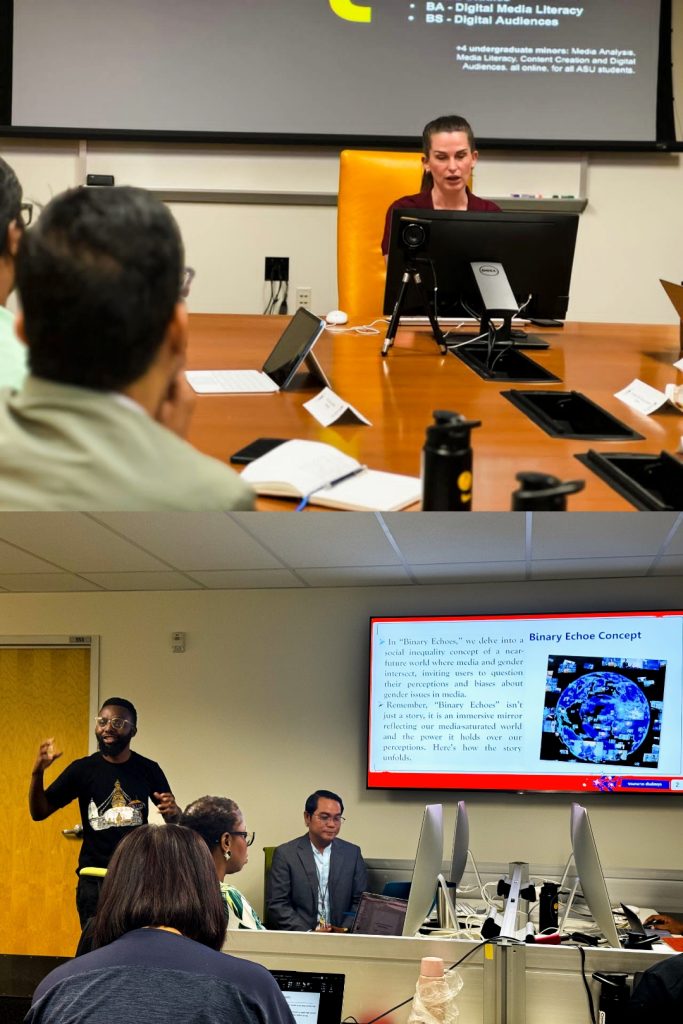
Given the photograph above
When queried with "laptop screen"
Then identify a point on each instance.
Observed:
(379, 915)
(313, 998)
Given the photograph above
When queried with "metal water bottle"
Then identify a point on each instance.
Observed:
(447, 463)
(540, 491)
(614, 998)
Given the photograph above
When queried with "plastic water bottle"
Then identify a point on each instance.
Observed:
(435, 994)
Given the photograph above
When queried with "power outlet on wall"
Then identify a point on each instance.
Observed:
(277, 268)
(303, 297)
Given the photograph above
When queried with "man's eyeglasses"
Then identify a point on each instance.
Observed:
(336, 818)
(186, 278)
(119, 724)
(248, 837)
(25, 214)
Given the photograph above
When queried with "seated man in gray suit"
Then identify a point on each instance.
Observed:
(100, 421)
(317, 879)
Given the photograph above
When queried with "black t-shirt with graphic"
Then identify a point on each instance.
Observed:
(112, 798)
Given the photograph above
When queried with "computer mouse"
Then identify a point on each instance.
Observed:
(336, 316)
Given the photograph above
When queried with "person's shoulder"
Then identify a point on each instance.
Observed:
(420, 200)
(479, 205)
(291, 844)
(198, 482)
(347, 846)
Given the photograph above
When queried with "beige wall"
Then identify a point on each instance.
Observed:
(269, 703)
(629, 235)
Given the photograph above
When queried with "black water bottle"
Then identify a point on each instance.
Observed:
(614, 998)
(447, 464)
(541, 492)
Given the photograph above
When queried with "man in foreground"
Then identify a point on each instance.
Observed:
(113, 788)
(316, 880)
(100, 421)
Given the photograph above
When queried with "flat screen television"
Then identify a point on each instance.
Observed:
(535, 249)
(576, 703)
(368, 72)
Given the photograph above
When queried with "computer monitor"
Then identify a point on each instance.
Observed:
(535, 249)
(535, 252)
(589, 870)
(428, 860)
(461, 844)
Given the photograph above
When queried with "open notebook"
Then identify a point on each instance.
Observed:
(293, 348)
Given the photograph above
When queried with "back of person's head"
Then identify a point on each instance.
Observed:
(161, 875)
(326, 794)
(211, 817)
(99, 276)
(446, 123)
(10, 203)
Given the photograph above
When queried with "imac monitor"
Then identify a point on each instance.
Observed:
(590, 874)
(428, 861)
(461, 844)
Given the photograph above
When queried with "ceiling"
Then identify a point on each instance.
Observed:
(120, 551)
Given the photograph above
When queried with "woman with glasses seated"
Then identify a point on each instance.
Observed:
(158, 932)
(220, 823)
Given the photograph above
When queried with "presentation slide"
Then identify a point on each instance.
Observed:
(528, 71)
(579, 703)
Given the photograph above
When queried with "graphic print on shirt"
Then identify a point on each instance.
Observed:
(117, 811)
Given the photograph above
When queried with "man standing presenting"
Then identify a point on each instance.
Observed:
(112, 786)
(317, 879)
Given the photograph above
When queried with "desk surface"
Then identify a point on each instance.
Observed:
(398, 394)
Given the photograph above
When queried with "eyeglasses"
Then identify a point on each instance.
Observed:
(119, 724)
(248, 837)
(336, 818)
(25, 214)
(186, 278)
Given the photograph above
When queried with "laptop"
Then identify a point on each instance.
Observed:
(313, 998)
(637, 926)
(293, 348)
(379, 915)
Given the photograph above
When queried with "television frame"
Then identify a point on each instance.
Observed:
(390, 769)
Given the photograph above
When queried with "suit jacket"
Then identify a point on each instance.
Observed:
(292, 898)
(71, 448)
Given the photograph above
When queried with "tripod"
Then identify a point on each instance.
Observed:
(412, 273)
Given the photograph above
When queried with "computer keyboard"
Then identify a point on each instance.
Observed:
(231, 382)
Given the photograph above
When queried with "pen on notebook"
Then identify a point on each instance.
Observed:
(330, 483)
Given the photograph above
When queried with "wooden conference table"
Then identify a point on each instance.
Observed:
(398, 394)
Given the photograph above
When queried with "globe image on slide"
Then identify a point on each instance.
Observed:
(602, 716)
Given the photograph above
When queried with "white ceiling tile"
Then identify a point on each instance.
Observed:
(142, 581)
(364, 576)
(611, 534)
(458, 536)
(245, 579)
(325, 538)
(194, 540)
(588, 568)
(468, 572)
(44, 583)
(73, 540)
(13, 559)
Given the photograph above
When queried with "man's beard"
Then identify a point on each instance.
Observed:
(115, 748)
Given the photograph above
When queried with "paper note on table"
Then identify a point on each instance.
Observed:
(327, 407)
(641, 397)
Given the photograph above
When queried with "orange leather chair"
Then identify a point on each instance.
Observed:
(369, 181)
